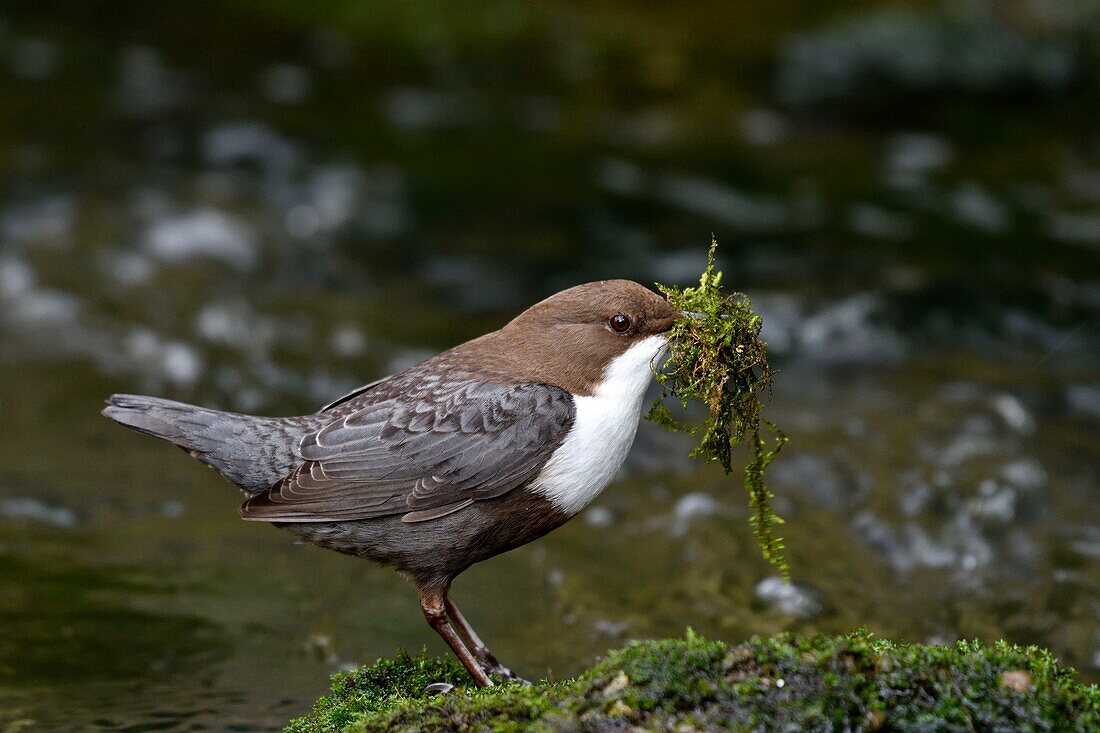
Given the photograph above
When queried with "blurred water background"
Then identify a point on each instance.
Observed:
(259, 204)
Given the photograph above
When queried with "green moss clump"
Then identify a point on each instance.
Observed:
(716, 356)
(805, 683)
(388, 684)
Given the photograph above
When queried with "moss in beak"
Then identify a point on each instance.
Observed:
(716, 356)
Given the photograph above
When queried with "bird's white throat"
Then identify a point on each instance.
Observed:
(603, 430)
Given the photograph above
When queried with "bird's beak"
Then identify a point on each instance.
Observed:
(702, 316)
(664, 326)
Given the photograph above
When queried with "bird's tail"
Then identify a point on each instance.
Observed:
(252, 452)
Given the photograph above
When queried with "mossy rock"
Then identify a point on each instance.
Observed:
(782, 683)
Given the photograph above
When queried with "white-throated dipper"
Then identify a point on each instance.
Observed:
(474, 452)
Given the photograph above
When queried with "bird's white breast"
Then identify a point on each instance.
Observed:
(603, 430)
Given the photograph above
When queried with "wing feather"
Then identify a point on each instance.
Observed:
(424, 453)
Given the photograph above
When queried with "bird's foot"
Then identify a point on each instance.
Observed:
(499, 670)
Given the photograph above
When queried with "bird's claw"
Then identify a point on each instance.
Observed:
(507, 675)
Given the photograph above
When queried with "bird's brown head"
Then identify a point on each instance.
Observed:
(612, 312)
(570, 338)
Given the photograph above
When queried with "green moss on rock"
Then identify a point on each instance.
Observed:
(783, 683)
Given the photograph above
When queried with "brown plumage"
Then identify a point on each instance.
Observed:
(427, 470)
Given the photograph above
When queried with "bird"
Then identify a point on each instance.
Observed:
(471, 453)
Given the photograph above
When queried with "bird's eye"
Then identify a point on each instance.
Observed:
(619, 323)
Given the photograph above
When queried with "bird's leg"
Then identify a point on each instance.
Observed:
(433, 602)
(476, 645)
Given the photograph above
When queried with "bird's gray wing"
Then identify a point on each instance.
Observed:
(358, 391)
(422, 454)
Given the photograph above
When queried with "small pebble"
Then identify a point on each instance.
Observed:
(1017, 680)
(793, 599)
(438, 688)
